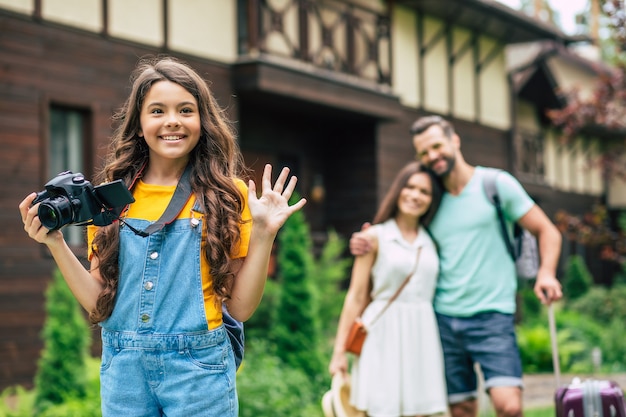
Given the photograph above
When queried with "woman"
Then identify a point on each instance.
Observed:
(400, 369)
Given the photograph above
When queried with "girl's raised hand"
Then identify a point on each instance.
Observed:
(272, 209)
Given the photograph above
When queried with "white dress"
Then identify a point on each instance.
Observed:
(400, 371)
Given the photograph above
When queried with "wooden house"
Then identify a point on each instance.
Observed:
(326, 87)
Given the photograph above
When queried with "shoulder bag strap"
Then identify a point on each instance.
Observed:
(399, 290)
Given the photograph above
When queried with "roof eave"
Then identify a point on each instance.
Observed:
(505, 23)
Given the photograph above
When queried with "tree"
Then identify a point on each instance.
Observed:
(605, 108)
(578, 280)
(615, 12)
(62, 372)
(296, 332)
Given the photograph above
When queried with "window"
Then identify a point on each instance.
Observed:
(530, 154)
(66, 152)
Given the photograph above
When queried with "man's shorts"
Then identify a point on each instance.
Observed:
(485, 338)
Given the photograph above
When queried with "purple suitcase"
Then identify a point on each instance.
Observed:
(590, 398)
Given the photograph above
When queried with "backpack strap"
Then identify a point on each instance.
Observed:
(235, 332)
(489, 184)
(491, 191)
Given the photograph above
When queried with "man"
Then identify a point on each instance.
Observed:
(475, 296)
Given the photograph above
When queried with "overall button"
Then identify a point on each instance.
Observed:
(154, 255)
(145, 318)
(148, 285)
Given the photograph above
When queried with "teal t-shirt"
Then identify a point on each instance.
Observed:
(477, 273)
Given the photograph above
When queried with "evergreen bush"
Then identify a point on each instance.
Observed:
(529, 308)
(331, 271)
(61, 372)
(577, 280)
(297, 328)
(259, 326)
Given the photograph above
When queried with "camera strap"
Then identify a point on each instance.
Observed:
(173, 209)
(175, 206)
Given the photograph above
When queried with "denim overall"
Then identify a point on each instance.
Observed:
(158, 358)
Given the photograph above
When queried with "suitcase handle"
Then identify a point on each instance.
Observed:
(555, 348)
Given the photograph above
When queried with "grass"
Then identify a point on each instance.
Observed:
(540, 412)
(533, 412)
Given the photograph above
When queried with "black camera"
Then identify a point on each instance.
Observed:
(70, 199)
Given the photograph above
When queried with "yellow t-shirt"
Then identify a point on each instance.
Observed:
(152, 200)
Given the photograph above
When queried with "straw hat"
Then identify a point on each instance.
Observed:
(336, 401)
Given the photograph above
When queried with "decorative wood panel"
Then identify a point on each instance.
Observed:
(332, 34)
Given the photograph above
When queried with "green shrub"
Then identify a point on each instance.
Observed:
(17, 402)
(594, 320)
(534, 346)
(577, 280)
(61, 372)
(330, 271)
(260, 324)
(529, 308)
(577, 335)
(296, 330)
(268, 387)
(87, 406)
(327, 275)
(602, 304)
(606, 307)
(613, 346)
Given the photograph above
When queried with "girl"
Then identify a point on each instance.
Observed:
(159, 298)
(400, 369)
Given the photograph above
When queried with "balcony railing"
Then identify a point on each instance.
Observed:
(331, 34)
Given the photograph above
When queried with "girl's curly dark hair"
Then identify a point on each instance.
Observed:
(215, 162)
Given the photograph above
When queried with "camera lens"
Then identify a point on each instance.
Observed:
(55, 213)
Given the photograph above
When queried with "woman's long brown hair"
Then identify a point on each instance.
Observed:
(389, 206)
(216, 161)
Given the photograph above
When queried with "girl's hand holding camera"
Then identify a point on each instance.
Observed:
(32, 224)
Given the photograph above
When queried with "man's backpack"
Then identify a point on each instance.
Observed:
(523, 249)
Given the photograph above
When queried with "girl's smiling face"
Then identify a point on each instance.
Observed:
(170, 122)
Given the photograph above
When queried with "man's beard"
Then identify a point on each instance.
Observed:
(450, 161)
